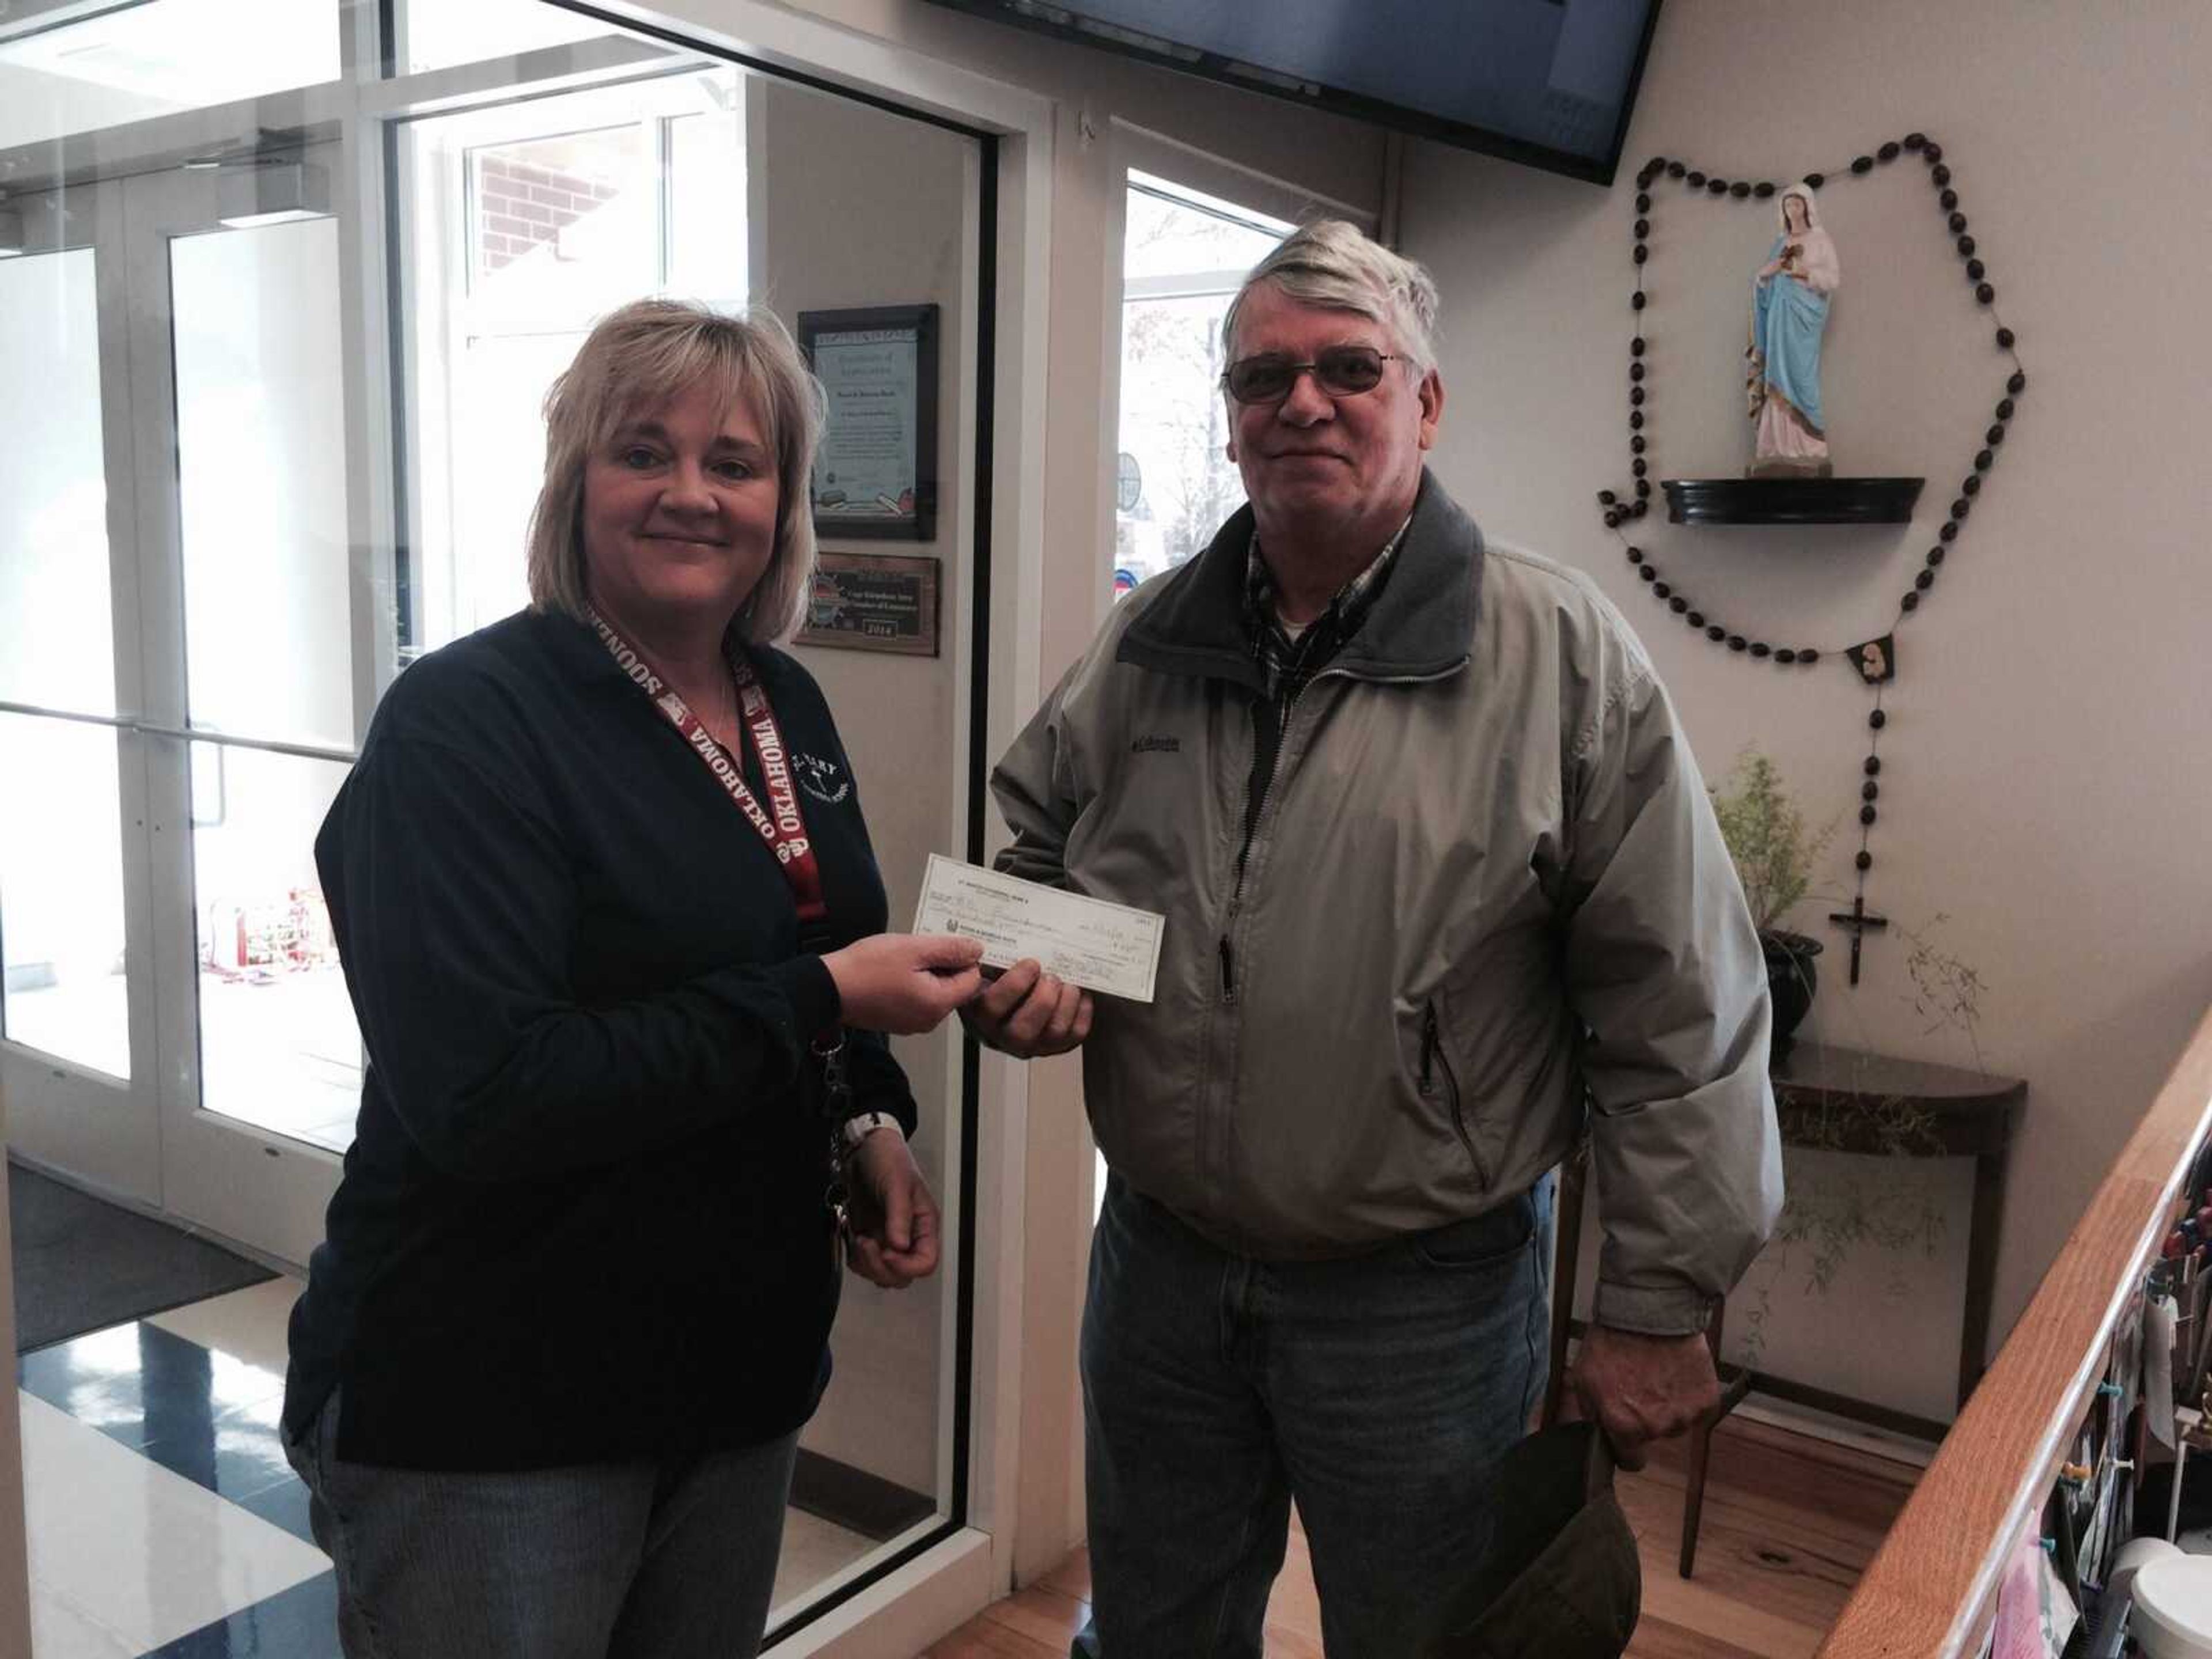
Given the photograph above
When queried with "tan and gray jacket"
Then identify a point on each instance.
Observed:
(1484, 879)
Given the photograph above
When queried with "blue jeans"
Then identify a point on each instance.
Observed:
(1377, 1391)
(674, 1561)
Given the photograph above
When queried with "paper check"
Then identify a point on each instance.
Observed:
(1109, 948)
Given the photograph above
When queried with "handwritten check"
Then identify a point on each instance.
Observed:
(1109, 948)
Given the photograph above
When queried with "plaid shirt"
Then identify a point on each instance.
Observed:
(1289, 664)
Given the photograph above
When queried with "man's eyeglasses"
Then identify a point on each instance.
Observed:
(1341, 371)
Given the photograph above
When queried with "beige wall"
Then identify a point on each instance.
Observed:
(857, 207)
(2046, 771)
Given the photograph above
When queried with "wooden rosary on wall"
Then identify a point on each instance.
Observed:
(1791, 484)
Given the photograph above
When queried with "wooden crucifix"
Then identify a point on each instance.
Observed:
(1858, 919)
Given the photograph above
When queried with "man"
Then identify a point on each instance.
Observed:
(1442, 884)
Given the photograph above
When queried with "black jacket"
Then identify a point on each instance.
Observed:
(582, 1217)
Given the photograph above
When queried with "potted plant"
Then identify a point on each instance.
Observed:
(1774, 854)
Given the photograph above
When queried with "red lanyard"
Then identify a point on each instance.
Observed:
(782, 824)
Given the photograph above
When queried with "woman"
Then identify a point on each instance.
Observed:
(1789, 311)
(621, 988)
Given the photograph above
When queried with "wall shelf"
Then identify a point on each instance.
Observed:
(1791, 501)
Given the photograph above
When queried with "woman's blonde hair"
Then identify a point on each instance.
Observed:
(639, 359)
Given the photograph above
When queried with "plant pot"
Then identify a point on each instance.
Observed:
(1790, 980)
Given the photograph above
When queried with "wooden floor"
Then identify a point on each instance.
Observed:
(1790, 1524)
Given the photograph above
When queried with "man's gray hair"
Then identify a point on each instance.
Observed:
(1336, 266)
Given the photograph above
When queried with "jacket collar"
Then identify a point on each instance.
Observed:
(1421, 626)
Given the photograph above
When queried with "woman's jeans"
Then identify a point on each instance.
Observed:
(1376, 1391)
(673, 1560)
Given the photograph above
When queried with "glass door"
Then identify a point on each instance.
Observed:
(238, 387)
(76, 1018)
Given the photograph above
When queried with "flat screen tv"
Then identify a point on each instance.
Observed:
(1548, 82)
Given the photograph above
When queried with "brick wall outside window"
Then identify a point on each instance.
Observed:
(519, 207)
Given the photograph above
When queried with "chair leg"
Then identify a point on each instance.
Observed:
(1701, 1446)
(1694, 1504)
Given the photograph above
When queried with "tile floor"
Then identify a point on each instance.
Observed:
(164, 1521)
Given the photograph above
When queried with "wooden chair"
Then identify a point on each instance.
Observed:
(1566, 1250)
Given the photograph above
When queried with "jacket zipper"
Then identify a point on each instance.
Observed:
(1434, 1059)
(1253, 813)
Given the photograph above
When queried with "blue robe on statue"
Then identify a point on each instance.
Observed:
(1787, 322)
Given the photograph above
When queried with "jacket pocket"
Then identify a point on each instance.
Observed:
(1439, 1078)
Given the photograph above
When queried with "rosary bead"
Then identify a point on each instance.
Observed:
(1924, 581)
(1873, 765)
(1947, 200)
(1697, 180)
(1641, 253)
(1716, 186)
(1916, 140)
(1960, 507)
(1975, 269)
(2018, 384)
(1867, 815)
(2004, 408)
(1935, 556)
(1678, 604)
(1870, 791)
(1717, 633)
(1635, 347)
(1931, 151)
(1643, 228)
(1909, 602)
(1636, 301)
(1888, 151)
(1958, 223)
(1696, 619)
(1983, 460)
(1639, 468)
(1995, 434)
(1636, 446)
(1785, 655)
(1762, 190)
(1636, 396)
(1864, 860)
(1676, 169)
(1807, 653)
(1972, 483)
(1949, 532)
(1862, 164)
(1877, 720)
(1736, 641)
(1660, 590)
(1643, 203)
(1814, 180)
(1738, 190)
(1760, 649)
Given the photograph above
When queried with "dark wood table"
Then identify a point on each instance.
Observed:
(1845, 1101)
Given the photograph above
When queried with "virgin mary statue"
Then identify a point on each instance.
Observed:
(1788, 313)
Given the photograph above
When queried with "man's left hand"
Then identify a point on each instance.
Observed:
(892, 1239)
(1640, 1388)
